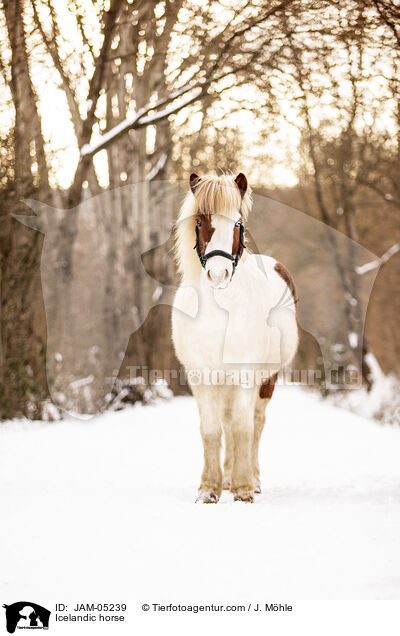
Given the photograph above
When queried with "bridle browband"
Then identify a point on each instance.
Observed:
(234, 258)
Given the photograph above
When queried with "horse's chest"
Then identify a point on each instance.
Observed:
(208, 333)
(228, 329)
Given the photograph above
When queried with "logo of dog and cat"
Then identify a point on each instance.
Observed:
(26, 615)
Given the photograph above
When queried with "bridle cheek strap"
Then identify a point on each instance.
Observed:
(235, 259)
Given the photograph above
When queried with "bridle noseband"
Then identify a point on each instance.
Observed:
(234, 258)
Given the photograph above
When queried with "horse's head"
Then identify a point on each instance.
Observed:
(221, 208)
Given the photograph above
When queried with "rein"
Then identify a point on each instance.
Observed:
(235, 259)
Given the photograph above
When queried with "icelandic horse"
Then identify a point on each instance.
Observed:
(233, 318)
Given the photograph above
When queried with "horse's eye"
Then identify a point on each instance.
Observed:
(238, 223)
(198, 223)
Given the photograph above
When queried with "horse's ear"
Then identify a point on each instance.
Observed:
(194, 181)
(241, 183)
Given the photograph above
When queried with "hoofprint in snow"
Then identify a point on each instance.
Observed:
(105, 508)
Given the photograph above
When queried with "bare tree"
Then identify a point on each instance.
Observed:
(142, 87)
(328, 56)
(148, 62)
(23, 330)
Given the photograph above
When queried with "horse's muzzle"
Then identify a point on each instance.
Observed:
(218, 276)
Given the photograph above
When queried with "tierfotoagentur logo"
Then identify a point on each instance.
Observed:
(26, 615)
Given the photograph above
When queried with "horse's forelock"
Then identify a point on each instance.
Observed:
(217, 195)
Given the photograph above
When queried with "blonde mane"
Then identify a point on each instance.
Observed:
(214, 195)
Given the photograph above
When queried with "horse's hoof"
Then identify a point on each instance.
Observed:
(227, 483)
(257, 487)
(247, 497)
(207, 496)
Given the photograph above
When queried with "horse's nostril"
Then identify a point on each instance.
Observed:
(209, 275)
(226, 274)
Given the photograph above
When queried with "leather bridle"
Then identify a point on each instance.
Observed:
(234, 258)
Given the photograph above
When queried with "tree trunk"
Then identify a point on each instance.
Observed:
(23, 325)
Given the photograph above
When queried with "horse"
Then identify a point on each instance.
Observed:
(234, 326)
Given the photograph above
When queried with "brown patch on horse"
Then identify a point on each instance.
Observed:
(267, 387)
(205, 231)
(287, 277)
(237, 248)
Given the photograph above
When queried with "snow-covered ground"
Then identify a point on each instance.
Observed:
(105, 508)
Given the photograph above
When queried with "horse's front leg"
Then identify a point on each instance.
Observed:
(210, 427)
(242, 433)
(228, 461)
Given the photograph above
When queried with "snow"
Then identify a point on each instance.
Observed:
(161, 389)
(105, 508)
(381, 403)
(142, 118)
(116, 131)
(368, 267)
(157, 293)
(77, 384)
(159, 165)
(353, 339)
(146, 120)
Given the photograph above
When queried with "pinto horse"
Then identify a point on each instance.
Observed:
(233, 327)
